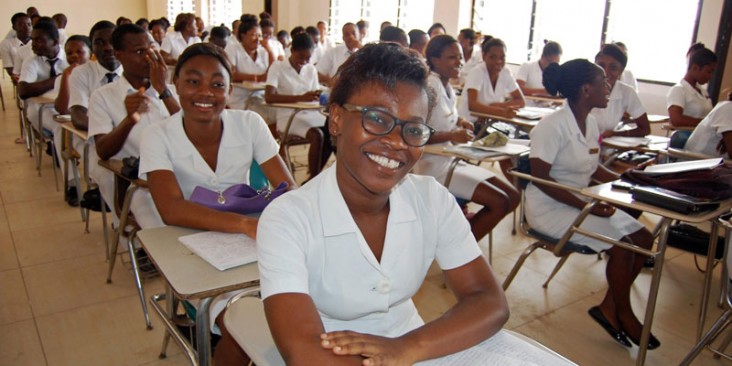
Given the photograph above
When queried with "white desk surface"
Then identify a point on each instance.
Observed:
(298, 105)
(518, 121)
(190, 276)
(251, 85)
(656, 144)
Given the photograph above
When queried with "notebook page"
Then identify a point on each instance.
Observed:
(222, 250)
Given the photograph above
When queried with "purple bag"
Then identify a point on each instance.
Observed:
(239, 198)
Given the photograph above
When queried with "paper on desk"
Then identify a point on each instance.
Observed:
(510, 148)
(222, 250)
(684, 166)
(472, 153)
(627, 141)
(502, 349)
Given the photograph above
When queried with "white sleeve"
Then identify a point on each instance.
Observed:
(154, 150)
(545, 141)
(29, 71)
(721, 118)
(635, 107)
(456, 245)
(474, 80)
(6, 54)
(325, 64)
(676, 97)
(231, 52)
(265, 147)
(100, 120)
(523, 72)
(273, 76)
(167, 44)
(78, 90)
(314, 84)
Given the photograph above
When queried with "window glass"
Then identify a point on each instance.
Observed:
(558, 20)
(507, 20)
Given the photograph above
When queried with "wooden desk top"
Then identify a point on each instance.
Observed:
(251, 85)
(542, 98)
(41, 99)
(298, 105)
(115, 166)
(657, 118)
(669, 127)
(190, 276)
(68, 126)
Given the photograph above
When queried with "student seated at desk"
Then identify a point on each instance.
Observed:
(529, 75)
(249, 59)
(490, 87)
(472, 53)
(296, 80)
(713, 135)
(185, 35)
(341, 257)
(205, 145)
(469, 182)
(688, 101)
(623, 98)
(564, 149)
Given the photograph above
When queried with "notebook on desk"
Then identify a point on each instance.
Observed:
(222, 250)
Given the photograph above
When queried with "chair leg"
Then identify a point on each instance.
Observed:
(105, 225)
(556, 269)
(520, 262)
(708, 338)
(138, 280)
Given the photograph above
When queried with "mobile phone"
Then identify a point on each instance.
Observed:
(620, 185)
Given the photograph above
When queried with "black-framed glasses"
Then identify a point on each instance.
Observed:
(379, 122)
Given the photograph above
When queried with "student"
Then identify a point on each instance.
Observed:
(219, 36)
(385, 24)
(469, 182)
(157, 30)
(529, 74)
(490, 87)
(61, 21)
(268, 40)
(249, 59)
(325, 41)
(394, 35)
(201, 27)
(564, 149)
(318, 51)
(623, 100)
(436, 29)
(123, 20)
(363, 31)
(336, 56)
(471, 54)
(185, 35)
(39, 72)
(120, 111)
(713, 135)
(284, 37)
(341, 257)
(627, 76)
(296, 80)
(418, 40)
(688, 101)
(9, 46)
(143, 23)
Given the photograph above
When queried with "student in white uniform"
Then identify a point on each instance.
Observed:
(157, 31)
(325, 40)
(623, 101)
(209, 146)
(471, 52)
(296, 80)
(713, 135)
(249, 58)
(469, 182)
(10, 45)
(185, 35)
(336, 56)
(529, 75)
(341, 257)
(269, 41)
(39, 72)
(564, 148)
(418, 40)
(318, 50)
(688, 101)
(627, 76)
(121, 110)
(490, 87)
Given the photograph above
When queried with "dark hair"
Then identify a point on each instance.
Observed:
(203, 49)
(102, 24)
(312, 31)
(393, 34)
(142, 22)
(220, 32)
(248, 22)
(385, 64)
(79, 38)
(361, 24)
(155, 22)
(567, 79)
(266, 22)
(320, 22)
(123, 20)
(60, 19)
(622, 46)
(249, 18)
(17, 16)
(435, 26)
(490, 42)
(468, 34)
(695, 47)
(118, 36)
(297, 30)
(415, 35)
(166, 23)
(48, 27)
(551, 48)
(265, 15)
(182, 20)
(282, 33)
(302, 41)
(436, 46)
(615, 52)
(702, 57)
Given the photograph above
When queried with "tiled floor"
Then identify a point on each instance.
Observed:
(56, 309)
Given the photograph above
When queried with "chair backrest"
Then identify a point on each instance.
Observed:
(679, 138)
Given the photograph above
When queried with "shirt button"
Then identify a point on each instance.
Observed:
(384, 286)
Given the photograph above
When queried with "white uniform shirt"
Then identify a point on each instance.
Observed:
(24, 53)
(444, 117)
(623, 99)
(9, 50)
(695, 104)
(708, 133)
(332, 59)
(531, 74)
(62, 37)
(276, 47)
(289, 82)
(243, 63)
(307, 242)
(479, 80)
(475, 59)
(165, 146)
(175, 44)
(87, 78)
(628, 78)
(37, 68)
(317, 54)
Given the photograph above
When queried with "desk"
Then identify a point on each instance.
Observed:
(670, 128)
(605, 193)
(285, 136)
(545, 100)
(657, 118)
(69, 154)
(251, 87)
(189, 277)
(655, 145)
(42, 102)
(517, 121)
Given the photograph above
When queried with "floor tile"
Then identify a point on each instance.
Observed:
(39, 213)
(20, 345)
(58, 242)
(14, 305)
(8, 257)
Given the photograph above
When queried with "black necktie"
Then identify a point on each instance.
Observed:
(52, 62)
(110, 77)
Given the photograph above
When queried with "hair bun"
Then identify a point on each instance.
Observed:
(552, 78)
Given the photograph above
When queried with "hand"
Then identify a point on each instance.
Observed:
(509, 112)
(603, 210)
(463, 123)
(158, 70)
(461, 135)
(249, 226)
(608, 133)
(311, 96)
(374, 349)
(67, 71)
(137, 104)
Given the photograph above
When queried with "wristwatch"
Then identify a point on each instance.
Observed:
(165, 94)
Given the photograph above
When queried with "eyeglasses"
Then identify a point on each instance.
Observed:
(378, 122)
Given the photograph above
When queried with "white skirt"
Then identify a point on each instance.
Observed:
(465, 177)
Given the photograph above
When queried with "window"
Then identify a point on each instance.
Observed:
(176, 7)
(223, 11)
(405, 14)
(508, 20)
(416, 14)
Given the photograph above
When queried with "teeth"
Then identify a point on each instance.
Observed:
(203, 105)
(384, 161)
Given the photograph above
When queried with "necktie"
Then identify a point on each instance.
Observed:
(52, 62)
(110, 77)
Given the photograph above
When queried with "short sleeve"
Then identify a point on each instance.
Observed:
(273, 76)
(100, 121)
(167, 44)
(154, 150)
(523, 72)
(721, 119)
(545, 141)
(231, 53)
(314, 84)
(29, 71)
(635, 107)
(6, 54)
(676, 97)
(475, 79)
(325, 64)
(78, 89)
(265, 146)
(456, 245)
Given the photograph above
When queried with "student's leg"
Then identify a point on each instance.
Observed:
(498, 198)
(227, 351)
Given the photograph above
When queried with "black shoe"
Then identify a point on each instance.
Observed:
(617, 335)
(653, 342)
(49, 148)
(650, 262)
(72, 198)
(144, 264)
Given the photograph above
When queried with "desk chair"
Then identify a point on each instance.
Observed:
(562, 248)
(41, 138)
(246, 311)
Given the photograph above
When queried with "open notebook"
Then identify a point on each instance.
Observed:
(222, 250)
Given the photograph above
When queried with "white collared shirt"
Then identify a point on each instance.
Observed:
(87, 78)
(308, 242)
(623, 99)
(694, 103)
(479, 80)
(443, 118)
(243, 63)
(476, 58)
(9, 50)
(709, 132)
(332, 59)
(23, 53)
(174, 43)
(37, 68)
(628, 78)
(276, 47)
(531, 74)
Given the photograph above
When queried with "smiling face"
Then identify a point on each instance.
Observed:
(598, 90)
(372, 165)
(250, 40)
(449, 63)
(495, 59)
(76, 52)
(203, 86)
(300, 58)
(613, 68)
